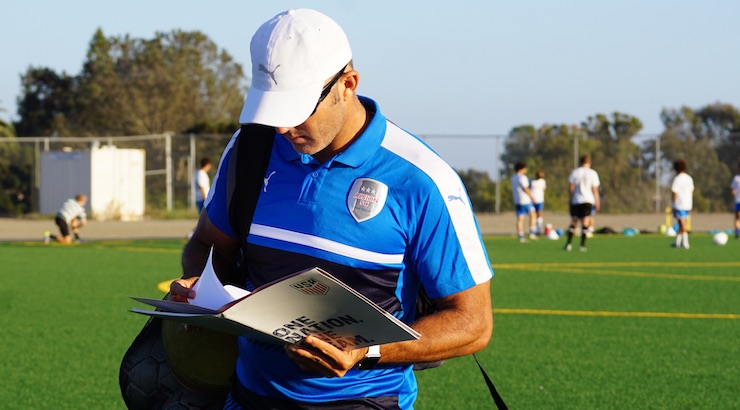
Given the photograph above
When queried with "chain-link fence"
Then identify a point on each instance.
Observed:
(171, 161)
(170, 164)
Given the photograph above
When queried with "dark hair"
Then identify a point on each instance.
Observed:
(204, 161)
(539, 174)
(520, 165)
(679, 165)
(585, 159)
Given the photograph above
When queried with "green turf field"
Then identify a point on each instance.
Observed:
(632, 323)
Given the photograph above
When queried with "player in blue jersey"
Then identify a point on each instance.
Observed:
(352, 193)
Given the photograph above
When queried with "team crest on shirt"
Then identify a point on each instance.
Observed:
(366, 198)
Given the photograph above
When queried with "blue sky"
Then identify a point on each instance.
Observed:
(443, 67)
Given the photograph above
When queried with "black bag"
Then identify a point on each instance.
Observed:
(167, 367)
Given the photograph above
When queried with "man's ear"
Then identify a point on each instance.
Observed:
(350, 80)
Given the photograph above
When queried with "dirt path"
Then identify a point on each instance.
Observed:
(491, 224)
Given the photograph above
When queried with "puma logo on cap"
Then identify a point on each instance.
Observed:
(268, 72)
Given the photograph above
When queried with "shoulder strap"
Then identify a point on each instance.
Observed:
(250, 156)
(491, 388)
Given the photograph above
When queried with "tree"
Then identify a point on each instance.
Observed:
(481, 189)
(174, 82)
(619, 162)
(548, 148)
(607, 139)
(696, 139)
(7, 129)
(15, 173)
(721, 124)
(46, 97)
(169, 83)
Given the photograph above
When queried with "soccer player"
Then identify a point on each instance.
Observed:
(523, 199)
(682, 191)
(71, 216)
(202, 183)
(348, 191)
(736, 192)
(584, 196)
(537, 186)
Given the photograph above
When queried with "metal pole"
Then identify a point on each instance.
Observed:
(575, 151)
(498, 175)
(657, 173)
(168, 169)
(36, 191)
(191, 172)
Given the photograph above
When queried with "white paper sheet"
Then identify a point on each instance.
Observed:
(210, 292)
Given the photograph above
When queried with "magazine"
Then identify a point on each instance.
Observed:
(286, 311)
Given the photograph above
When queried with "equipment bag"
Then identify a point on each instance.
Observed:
(167, 367)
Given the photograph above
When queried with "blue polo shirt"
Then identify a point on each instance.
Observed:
(385, 216)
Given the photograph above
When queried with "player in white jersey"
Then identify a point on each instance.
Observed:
(523, 200)
(70, 218)
(537, 186)
(584, 197)
(682, 190)
(736, 193)
(202, 183)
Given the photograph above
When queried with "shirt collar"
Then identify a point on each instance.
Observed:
(361, 148)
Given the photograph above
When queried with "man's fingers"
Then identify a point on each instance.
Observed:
(183, 288)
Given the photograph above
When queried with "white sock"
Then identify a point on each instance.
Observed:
(686, 239)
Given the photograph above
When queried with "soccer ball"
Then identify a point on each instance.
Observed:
(720, 238)
(552, 235)
(149, 381)
(145, 376)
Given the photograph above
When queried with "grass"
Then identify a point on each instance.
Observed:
(632, 323)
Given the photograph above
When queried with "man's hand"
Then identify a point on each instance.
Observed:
(182, 289)
(314, 355)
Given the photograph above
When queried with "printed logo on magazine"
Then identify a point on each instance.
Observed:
(311, 287)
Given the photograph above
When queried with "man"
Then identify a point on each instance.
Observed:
(202, 183)
(523, 199)
(350, 192)
(735, 187)
(71, 216)
(584, 197)
(682, 191)
(538, 185)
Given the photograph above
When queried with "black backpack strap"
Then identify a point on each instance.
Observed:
(250, 156)
(494, 394)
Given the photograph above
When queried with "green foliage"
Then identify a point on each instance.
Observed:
(132, 86)
(15, 177)
(481, 188)
(46, 97)
(7, 130)
(707, 140)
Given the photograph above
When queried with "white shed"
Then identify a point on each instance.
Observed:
(113, 180)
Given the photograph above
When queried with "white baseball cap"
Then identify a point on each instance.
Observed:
(293, 54)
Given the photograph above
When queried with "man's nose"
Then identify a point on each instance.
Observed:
(281, 130)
